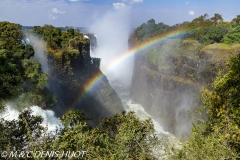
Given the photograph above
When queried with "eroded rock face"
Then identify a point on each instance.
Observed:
(167, 79)
(69, 77)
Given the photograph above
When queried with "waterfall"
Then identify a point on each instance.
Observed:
(49, 118)
(130, 105)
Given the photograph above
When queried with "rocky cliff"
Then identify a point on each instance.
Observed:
(70, 70)
(168, 76)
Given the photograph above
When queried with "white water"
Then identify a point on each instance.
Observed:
(48, 116)
(129, 105)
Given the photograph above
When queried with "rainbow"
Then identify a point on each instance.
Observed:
(91, 84)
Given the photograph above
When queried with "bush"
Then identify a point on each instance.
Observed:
(233, 36)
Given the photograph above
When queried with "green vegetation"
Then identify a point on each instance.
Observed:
(217, 137)
(114, 138)
(206, 31)
(71, 68)
(21, 77)
(149, 29)
(233, 35)
(214, 44)
(122, 136)
(222, 103)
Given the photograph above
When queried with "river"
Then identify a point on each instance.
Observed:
(130, 105)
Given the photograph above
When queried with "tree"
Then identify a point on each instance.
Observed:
(233, 35)
(38, 30)
(22, 133)
(20, 75)
(11, 36)
(211, 35)
(10, 75)
(150, 29)
(122, 136)
(236, 20)
(71, 32)
(218, 136)
(217, 18)
(222, 103)
(201, 21)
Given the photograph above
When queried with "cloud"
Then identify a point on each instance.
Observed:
(132, 1)
(119, 5)
(191, 13)
(122, 4)
(52, 17)
(55, 10)
(78, 0)
(137, 1)
(187, 3)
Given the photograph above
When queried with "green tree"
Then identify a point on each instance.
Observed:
(218, 136)
(222, 104)
(150, 29)
(233, 35)
(122, 136)
(20, 75)
(10, 75)
(201, 21)
(217, 18)
(236, 20)
(38, 30)
(211, 35)
(11, 36)
(22, 133)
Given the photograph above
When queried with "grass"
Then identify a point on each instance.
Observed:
(220, 52)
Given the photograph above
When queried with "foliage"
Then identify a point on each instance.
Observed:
(122, 136)
(67, 47)
(200, 146)
(212, 35)
(217, 137)
(216, 19)
(200, 26)
(201, 21)
(150, 29)
(236, 20)
(223, 104)
(10, 75)
(55, 38)
(233, 35)
(21, 133)
(20, 74)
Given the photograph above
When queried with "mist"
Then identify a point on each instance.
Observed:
(49, 118)
(39, 49)
(112, 32)
(167, 83)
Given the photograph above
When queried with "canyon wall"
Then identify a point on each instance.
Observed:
(70, 72)
(168, 77)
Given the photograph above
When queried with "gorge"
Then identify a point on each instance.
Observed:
(159, 81)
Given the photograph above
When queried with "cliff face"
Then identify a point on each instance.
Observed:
(167, 79)
(70, 71)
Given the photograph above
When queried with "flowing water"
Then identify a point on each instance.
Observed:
(49, 118)
(129, 105)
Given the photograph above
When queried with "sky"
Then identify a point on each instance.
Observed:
(85, 13)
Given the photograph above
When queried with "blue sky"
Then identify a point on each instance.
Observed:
(84, 13)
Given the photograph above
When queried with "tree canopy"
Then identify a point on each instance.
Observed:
(21, 76)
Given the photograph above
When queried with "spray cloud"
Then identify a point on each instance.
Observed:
(48, 116)
(112, 33)
(39, 48)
